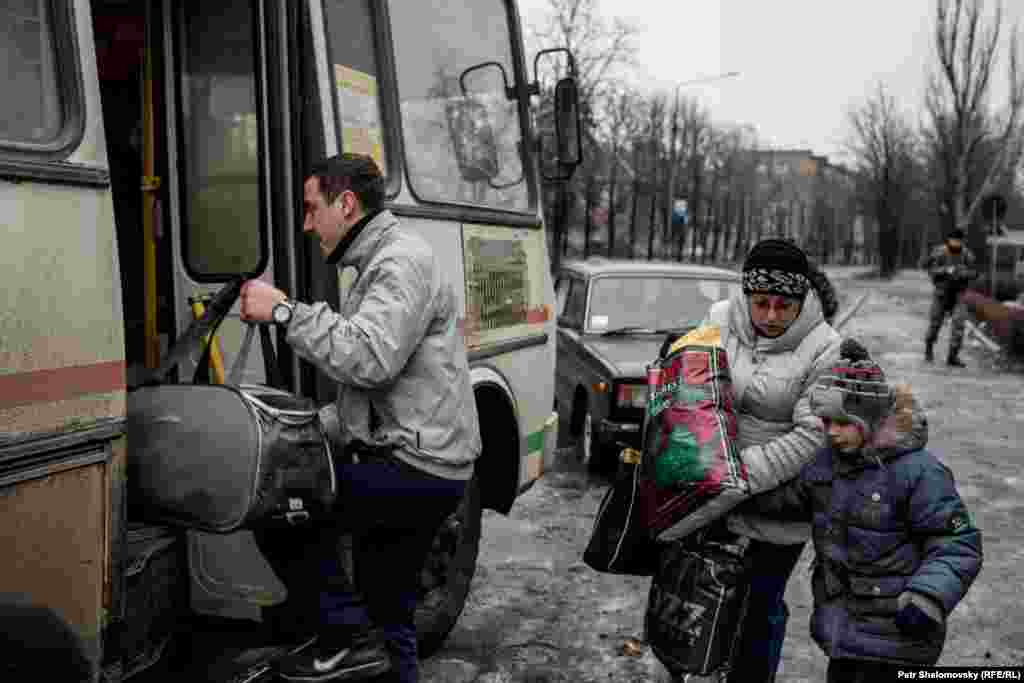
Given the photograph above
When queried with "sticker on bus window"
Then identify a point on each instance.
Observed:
(360, 113)
(599, 322)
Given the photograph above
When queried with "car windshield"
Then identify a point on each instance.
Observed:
(655, 303)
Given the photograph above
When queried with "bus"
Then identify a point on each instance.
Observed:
(153, 150)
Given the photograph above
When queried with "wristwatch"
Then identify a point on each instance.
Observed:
(282, 312)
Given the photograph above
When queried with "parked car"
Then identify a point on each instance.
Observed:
(613, 317)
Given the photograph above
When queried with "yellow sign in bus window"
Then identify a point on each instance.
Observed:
(360, 113)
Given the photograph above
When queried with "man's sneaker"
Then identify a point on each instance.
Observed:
(256, 664)
(928, 355)
(332, 659)
(955, 362)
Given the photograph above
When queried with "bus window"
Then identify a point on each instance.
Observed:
(31, 111)
(354, 70)
(462, 34)
(222, 228)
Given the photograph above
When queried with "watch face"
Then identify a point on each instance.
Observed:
(282, 314)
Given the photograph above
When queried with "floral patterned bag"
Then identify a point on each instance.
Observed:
(690, 456)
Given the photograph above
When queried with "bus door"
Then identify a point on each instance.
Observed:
(186, 139)
(186, 122)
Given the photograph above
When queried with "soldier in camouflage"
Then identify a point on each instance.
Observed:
(951, 267)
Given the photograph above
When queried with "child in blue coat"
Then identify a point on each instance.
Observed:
(896, 548)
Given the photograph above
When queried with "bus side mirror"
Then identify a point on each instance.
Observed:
(568, 152)
(567, 124)
(472, 136)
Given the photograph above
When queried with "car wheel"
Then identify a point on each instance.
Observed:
(448, 572)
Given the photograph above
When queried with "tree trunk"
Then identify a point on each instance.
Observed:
(613, 183)
(559, 228)
(635, 199)
(825, 236)
(742, 226)
(720, 223)
(698, 222)
(715, 218)
(666, 243)
(651, 227)
(588, 216)
(758, 217)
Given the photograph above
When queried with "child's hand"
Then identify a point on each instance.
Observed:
(919, 616)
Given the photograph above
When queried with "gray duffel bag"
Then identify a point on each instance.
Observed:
(223, 457)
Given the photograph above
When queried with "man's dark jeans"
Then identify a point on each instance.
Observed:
(764, 628)
(392, 511)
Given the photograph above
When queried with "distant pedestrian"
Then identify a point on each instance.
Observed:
(951, 267)
(895, 547)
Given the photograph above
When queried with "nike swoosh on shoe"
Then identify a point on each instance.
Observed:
(324, 665)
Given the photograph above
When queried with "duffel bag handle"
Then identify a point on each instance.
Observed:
(235, 375)
(193, 337)
(271, 367)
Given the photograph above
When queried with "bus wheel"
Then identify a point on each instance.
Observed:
(448, 573)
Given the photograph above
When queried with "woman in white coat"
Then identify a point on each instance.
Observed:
(778, 343)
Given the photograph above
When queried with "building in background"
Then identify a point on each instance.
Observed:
(803, 196)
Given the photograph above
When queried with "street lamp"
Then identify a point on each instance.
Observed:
(706, 79)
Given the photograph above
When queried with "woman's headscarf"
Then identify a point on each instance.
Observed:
(776, 266)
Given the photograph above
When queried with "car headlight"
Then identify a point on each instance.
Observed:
(631, 396)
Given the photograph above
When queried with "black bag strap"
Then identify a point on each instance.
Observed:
(192, 338)
(270, 364)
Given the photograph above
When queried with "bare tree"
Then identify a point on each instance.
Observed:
(639, 144)
(883, 145)
(728, 157)
(622, 125)
(689, 125)
(961, 117)
(600, 49)
(740, 167)
(653, 157)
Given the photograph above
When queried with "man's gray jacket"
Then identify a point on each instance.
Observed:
(396, 344)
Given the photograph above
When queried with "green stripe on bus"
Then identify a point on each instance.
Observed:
(535, 441)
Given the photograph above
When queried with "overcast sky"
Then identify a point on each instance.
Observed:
(803, 63)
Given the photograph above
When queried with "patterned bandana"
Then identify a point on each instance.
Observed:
(772, 281)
